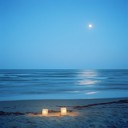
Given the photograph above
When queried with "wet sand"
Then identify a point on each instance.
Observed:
(94, 113)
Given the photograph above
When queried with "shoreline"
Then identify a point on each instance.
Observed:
(63, 99)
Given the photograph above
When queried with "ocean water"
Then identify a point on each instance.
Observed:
(62, 84)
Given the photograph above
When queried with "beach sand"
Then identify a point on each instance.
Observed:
(89, 113)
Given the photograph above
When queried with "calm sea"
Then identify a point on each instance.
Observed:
(62, 84)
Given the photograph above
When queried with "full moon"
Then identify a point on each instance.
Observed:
(90, 25)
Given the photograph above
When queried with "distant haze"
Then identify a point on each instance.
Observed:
(55, 34)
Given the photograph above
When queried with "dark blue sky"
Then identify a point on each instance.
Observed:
(55, 34)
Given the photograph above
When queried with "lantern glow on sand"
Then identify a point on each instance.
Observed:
(63, 111)
(44, 112)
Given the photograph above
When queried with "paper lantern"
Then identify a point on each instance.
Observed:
(45, 112)
(63, 111)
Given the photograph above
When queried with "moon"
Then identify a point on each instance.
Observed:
(90, 26)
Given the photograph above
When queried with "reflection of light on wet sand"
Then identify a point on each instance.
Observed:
(90, 93)
(55, 114)
(88, 73)
(87, 82)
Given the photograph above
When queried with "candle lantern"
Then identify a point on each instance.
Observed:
(63, 111)
(45, 112)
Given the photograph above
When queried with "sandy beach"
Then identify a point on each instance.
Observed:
(94, 113)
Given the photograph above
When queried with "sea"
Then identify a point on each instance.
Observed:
(27, 84)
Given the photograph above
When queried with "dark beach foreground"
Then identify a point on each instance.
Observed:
(95, 113)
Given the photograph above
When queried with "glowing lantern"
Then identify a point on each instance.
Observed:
(63, 111)
(45, 112)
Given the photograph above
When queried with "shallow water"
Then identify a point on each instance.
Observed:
(62, 84)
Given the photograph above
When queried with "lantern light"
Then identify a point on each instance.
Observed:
(45, 112)
(63, 111)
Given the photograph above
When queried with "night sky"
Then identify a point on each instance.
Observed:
(55, 34)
